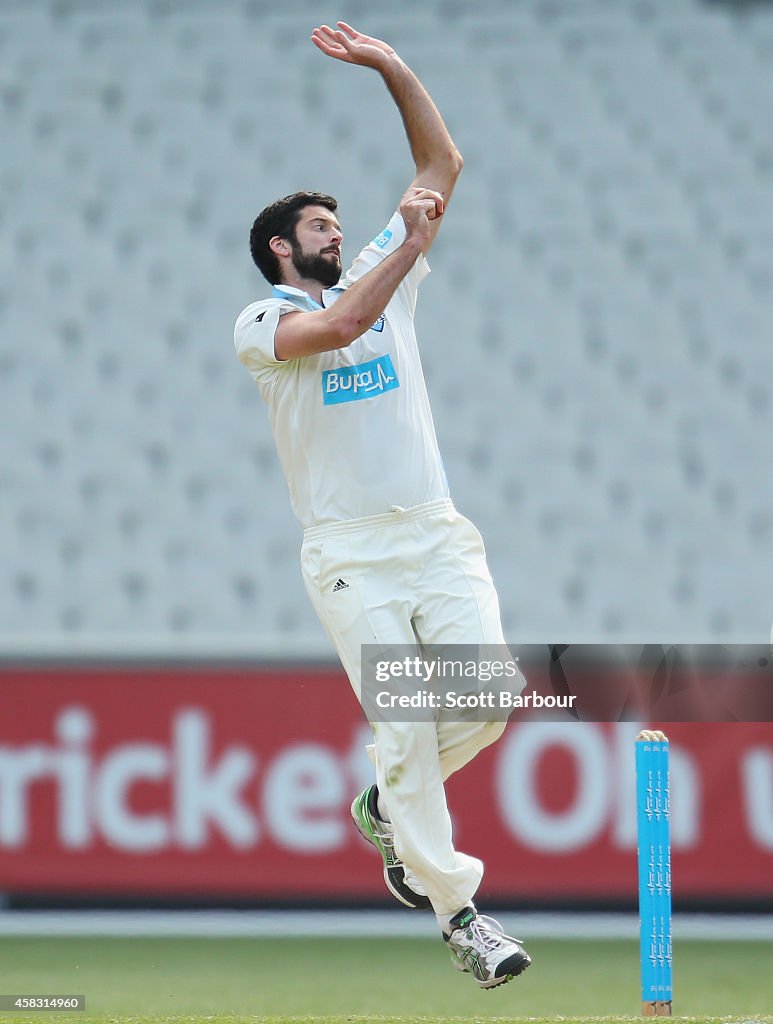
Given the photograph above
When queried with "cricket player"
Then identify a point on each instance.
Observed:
(386, 558)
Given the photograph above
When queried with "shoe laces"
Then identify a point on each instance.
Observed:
(488, 933)
(387, 840)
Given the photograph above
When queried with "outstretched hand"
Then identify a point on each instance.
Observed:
(347, 44)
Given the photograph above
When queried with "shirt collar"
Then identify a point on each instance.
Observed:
(286, 291)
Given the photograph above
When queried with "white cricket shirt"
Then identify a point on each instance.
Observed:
(353, 426)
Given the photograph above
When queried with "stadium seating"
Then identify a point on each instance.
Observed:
(596, 332)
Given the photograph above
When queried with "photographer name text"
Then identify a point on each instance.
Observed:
(486, 699)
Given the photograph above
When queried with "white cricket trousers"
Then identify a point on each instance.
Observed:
(416, 575)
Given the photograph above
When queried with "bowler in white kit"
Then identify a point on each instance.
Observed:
(386, 558)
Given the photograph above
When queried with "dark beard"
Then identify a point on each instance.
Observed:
(315, 267)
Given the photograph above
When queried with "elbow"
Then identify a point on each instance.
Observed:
(446, 166)
(453, 162)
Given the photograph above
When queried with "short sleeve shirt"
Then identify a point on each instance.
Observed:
(353, 426)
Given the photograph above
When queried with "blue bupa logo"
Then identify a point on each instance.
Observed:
(382, 240)
(353, 383)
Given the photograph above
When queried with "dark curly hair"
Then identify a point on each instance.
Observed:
(280, 219)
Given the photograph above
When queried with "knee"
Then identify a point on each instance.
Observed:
(398, 747)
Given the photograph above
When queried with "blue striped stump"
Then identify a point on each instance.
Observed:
(654, 850)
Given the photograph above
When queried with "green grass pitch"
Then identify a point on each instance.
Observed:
(347, 980)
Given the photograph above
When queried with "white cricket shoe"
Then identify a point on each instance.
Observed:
(378, 833)
(478, 945)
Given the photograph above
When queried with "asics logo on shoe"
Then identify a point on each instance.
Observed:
(363, 380)
(474, 965)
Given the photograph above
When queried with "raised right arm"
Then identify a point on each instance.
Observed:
(301, 334)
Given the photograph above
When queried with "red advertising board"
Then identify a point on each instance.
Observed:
(236, 782)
